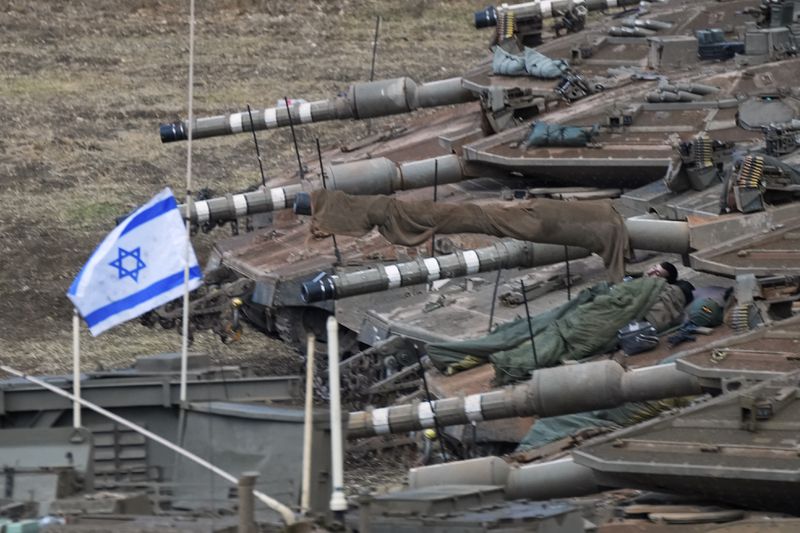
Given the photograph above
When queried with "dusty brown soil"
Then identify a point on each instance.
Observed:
(83, 88)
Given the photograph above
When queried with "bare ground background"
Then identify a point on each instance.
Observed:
(83, 88)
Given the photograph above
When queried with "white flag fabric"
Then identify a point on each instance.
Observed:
(137, 267)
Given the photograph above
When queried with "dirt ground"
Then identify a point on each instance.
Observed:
(83, 88)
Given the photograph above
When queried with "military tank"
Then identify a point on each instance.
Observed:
(672, 473)
(713, 464)
(625, 119)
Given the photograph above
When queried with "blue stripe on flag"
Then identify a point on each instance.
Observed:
(160, 286)
(156, 210)
(74, 287)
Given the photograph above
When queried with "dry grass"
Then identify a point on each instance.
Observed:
(83, 87)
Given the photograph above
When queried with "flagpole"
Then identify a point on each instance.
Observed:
(185, 322)
(76, 368)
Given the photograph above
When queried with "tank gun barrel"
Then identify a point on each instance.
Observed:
(645, 234)
(508, 253)
(551, 391)
(370, 176)
(366, 177)
(362, 101)
(543, 8)
(625, 31)
(232, 206)
(648, 24)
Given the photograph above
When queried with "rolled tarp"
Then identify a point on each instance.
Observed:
(543, 134)
(539, 65)
(531, 63)
(507, 64)
(593, 225)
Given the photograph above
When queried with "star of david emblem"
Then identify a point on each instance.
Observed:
(134, 264)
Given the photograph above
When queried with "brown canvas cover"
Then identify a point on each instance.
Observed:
(593, 225)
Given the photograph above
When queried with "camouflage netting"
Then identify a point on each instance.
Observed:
(593, 225)
(585, 326)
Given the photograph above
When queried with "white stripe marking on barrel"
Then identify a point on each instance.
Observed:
(380, 421)
(472, 408)
(270, 117)
(547, 9)
(432, 265)
(235, 120)
(305, 113)
(203, 214)
(393, 273)
(472, 261)
(425, 414)
(278, 198)
(240, 204)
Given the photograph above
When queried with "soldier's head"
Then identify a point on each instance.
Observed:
(664, 270)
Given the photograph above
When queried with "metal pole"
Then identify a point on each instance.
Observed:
(258, 152)
(435, 197)
(187, 249)
(285, 512)
(76, 368)
(374, 48)
(247, 519)
(294, 137)
(494, 298)
(569, 281)
(325, 186)
(338, 503)
(305, 495)
(530, 328)
(372, 66)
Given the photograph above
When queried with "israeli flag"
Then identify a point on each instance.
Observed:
(139, 266)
